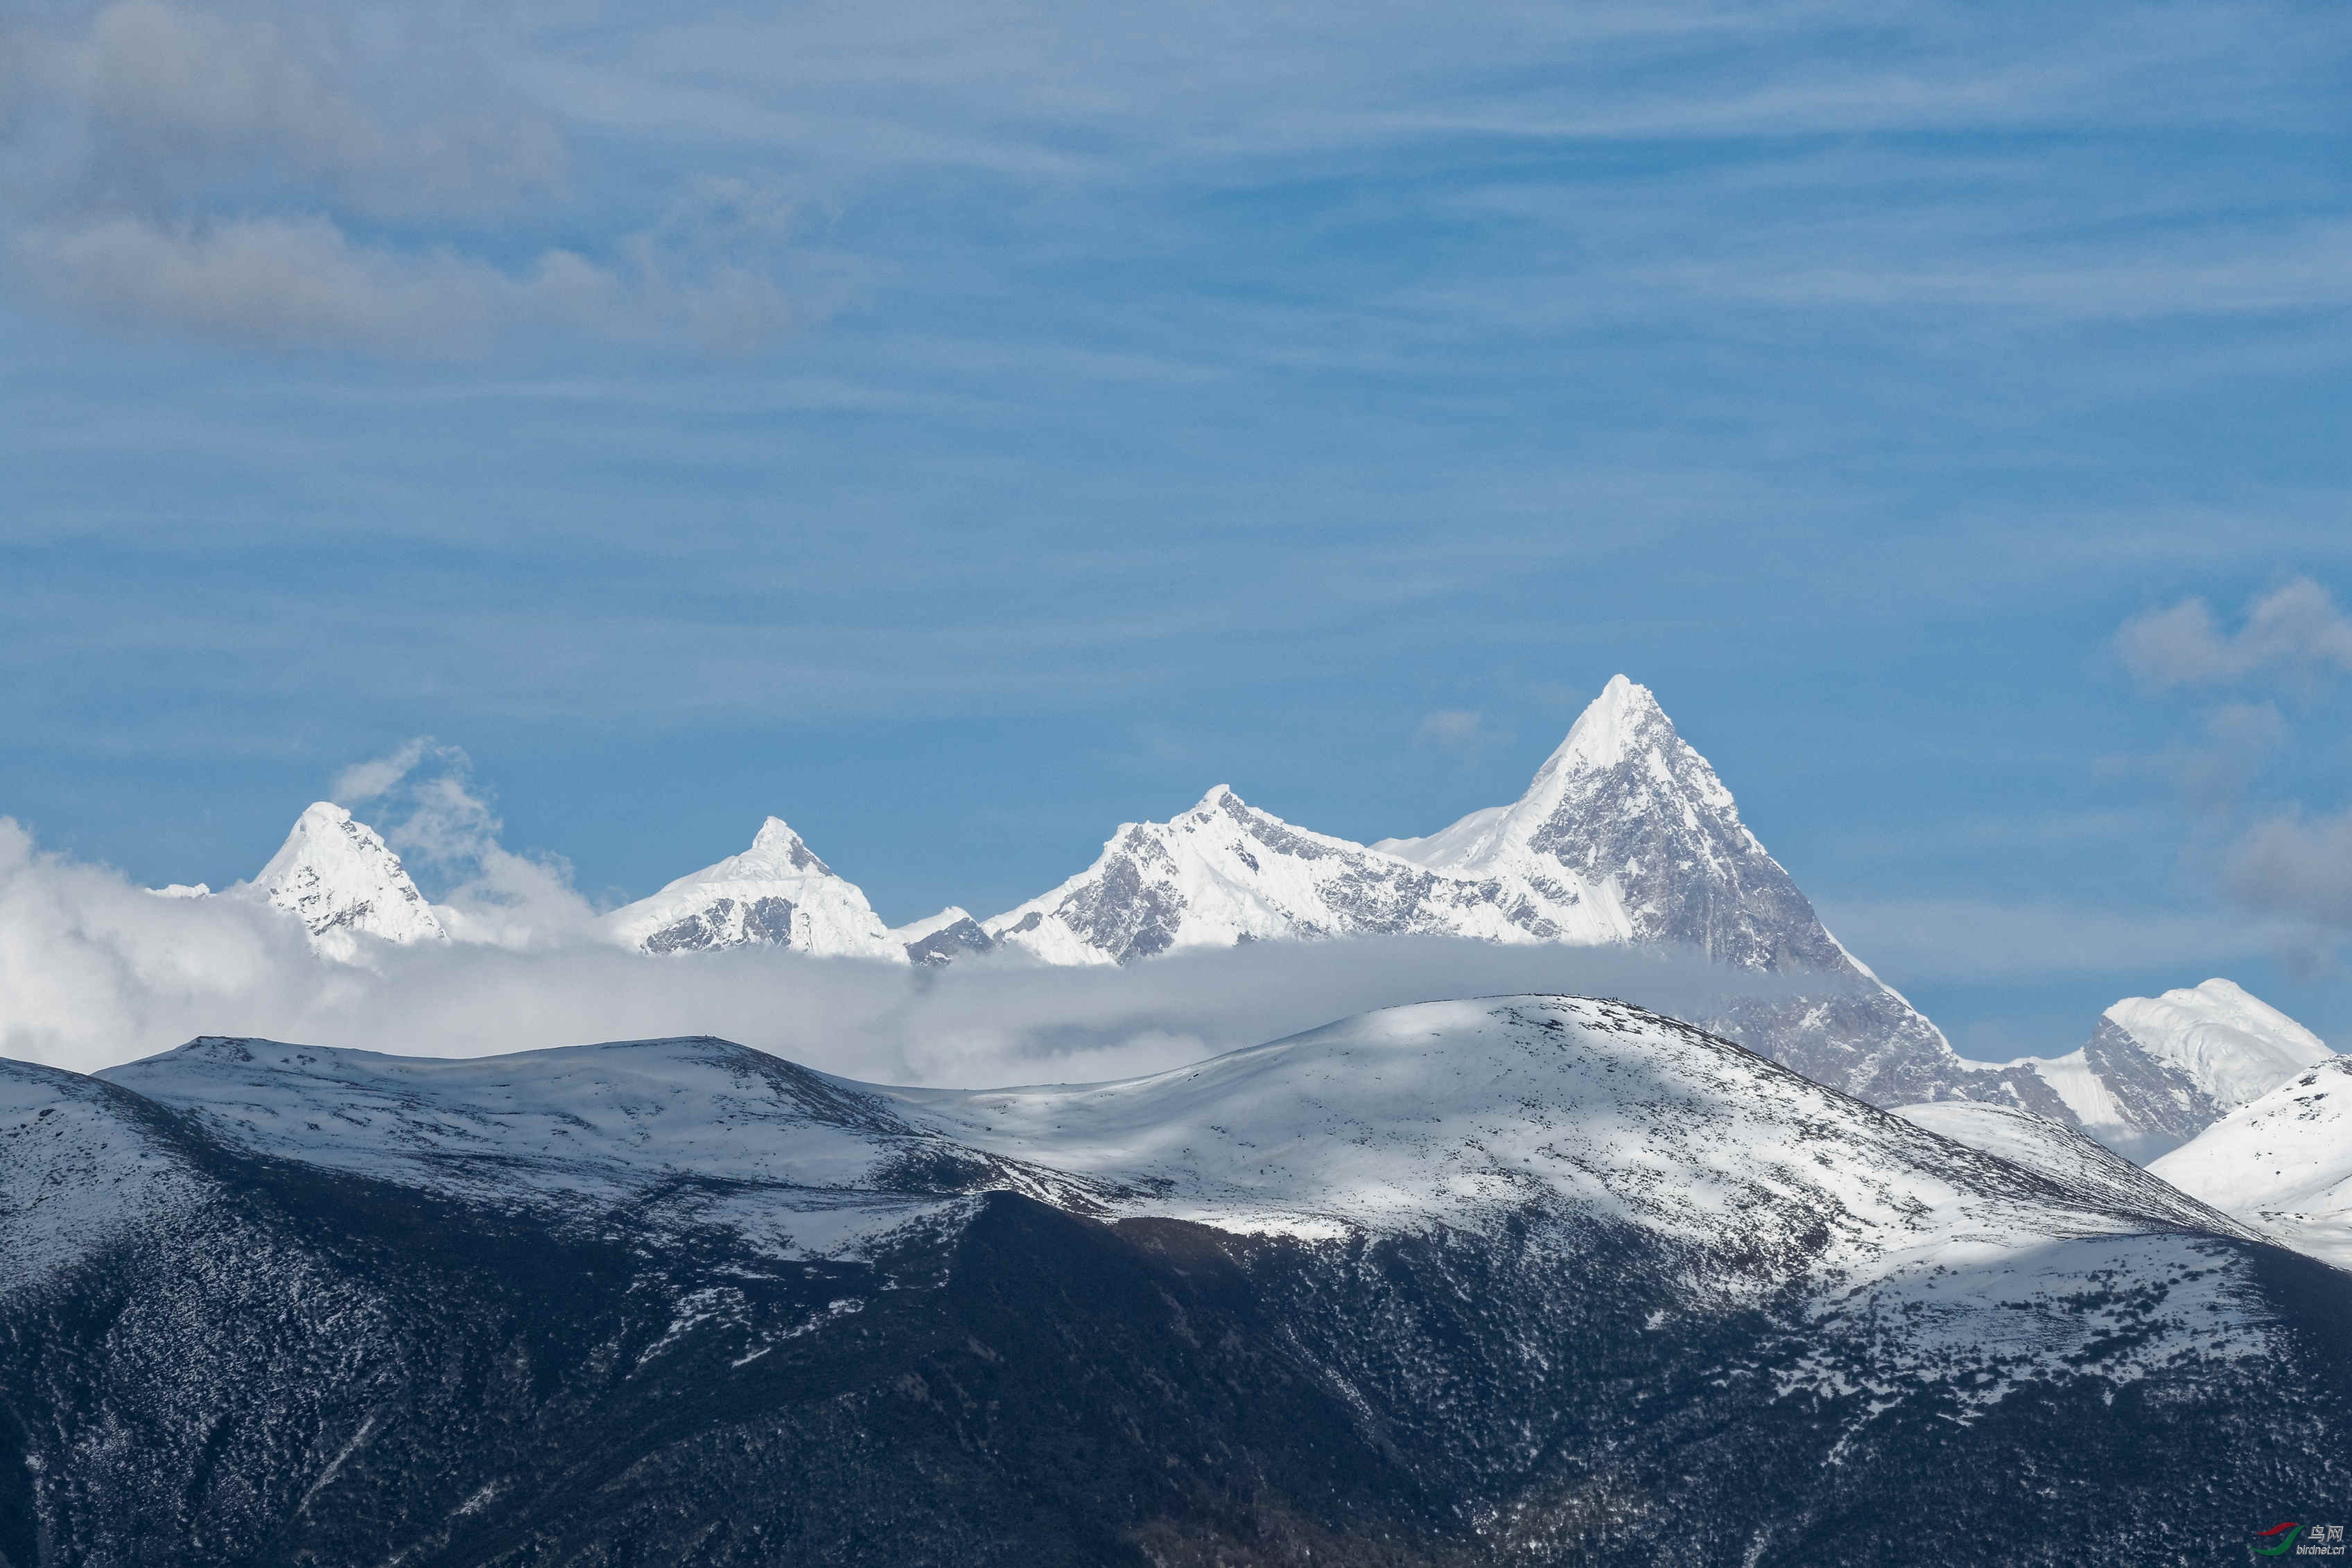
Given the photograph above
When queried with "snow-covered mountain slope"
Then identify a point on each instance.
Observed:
(696, 1130)
(2233, 1047)
(1225, 872)
(777, 893)
(83, 1166)
(2158, 1071)
(2283, 1163)
(339, 879)
(942, 937)
(1535, 1279)
(1456, 1113)
(2066, 1156)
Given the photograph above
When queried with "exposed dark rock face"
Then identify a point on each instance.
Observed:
(950, 941)
(766, 921)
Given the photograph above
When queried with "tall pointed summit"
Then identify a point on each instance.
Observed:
(343, 881)
(777, 893)
(1624, 835)
(1626, 812)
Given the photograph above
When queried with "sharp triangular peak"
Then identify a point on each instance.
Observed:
(1622, 724)
(775, 848)
(1610, 725)
(337, 875)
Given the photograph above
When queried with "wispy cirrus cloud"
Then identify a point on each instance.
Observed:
(315, 178)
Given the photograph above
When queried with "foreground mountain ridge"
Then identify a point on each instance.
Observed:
(2283, 1162)
(1534, 1280)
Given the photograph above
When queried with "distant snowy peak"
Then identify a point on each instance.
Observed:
(1626, 835)
(2158, 1070)
(1628, 816)
(1225, 872)
(777, 893)
(2233, 1047)
(942, 937)
(339, 879)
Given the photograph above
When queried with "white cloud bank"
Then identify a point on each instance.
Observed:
(95, 970)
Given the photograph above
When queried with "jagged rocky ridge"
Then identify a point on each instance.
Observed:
(1625, 836)
(1535, 1279)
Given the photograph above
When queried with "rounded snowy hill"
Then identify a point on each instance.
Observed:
(1525, 1279)
(1562, 1113)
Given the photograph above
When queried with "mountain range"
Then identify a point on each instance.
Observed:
(1531, 1279)
(1625, 836)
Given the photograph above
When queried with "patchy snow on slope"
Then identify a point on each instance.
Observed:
(777, 893)
(81, 1168)
(1981, 1315)
(703, 1131)
(2066, 1156)
(1535, 1120)
(2283, 1163)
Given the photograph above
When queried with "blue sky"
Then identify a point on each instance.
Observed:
(960, 428)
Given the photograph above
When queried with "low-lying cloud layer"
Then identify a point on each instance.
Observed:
(95, 970)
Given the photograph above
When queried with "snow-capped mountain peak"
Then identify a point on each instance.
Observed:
(2234, 1047)
(777, 893)
(776, 851)
(338, 877)
(1625, 834)
(1620, 729)
(1227, 871)
(2158, 1070)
